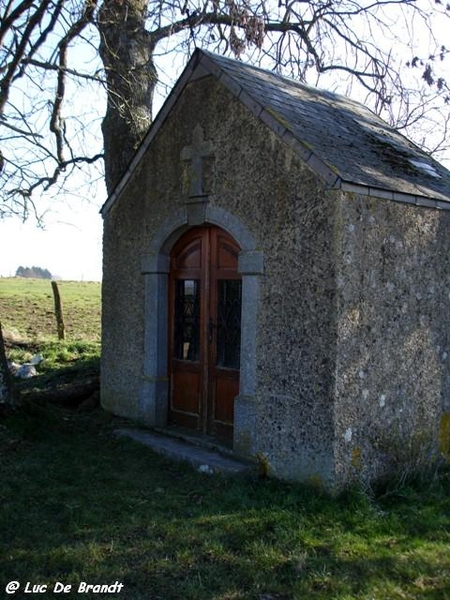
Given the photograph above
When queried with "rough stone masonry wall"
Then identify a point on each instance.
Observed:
(122, 309)
(256, 178)
(297, 335)
(286, 208)
(393, 370)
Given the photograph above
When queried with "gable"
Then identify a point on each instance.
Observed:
(342, 141)
(245, 154)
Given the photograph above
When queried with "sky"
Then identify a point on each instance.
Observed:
(70, 246)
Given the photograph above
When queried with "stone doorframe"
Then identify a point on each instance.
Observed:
(155, 267)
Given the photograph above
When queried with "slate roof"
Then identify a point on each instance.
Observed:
(341, 140)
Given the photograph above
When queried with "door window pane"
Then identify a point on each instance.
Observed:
(187, 320)
(229, 323)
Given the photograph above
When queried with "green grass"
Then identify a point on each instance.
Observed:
(63, 363)
(79, 504)
(27, 313)
(27, 309)
(56, 354)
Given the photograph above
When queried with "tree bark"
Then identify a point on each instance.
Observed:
(126, 50)
(6, 395)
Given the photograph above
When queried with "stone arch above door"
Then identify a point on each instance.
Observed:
(155, 267)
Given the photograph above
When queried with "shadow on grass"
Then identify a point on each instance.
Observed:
(79, 504)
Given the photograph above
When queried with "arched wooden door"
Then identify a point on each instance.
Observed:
(205, 331)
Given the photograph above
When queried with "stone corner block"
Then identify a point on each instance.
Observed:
(251, 263)
(155, 263)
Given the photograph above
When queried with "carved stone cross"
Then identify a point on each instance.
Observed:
(198, 150)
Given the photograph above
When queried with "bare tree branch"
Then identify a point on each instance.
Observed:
(50, 53)
(46, 66)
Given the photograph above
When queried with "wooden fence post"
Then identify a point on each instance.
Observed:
(58, 311)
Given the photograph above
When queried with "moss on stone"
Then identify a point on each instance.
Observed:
(356, 459)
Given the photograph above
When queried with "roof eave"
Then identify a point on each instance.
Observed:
(365, 190)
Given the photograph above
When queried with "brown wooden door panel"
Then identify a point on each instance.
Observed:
(227, 254)
(186, 386)
(204, 347)
(191, 256)
(225, 391)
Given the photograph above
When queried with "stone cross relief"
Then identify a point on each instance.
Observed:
(196, 152)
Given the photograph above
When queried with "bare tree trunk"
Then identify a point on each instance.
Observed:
(58, 311)
(126, 50)
(6, 395)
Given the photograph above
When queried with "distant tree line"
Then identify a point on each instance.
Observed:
(33, 272)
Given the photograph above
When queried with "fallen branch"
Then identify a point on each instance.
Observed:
(66, 394)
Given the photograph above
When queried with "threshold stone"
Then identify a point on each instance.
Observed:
(205, 460)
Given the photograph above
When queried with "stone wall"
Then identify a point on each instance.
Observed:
(393, 368)
(263, 183)
(260, 181)
(122, 308)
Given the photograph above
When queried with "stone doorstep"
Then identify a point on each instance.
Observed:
(205, 460)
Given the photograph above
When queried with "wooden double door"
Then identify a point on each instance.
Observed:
(205, 297)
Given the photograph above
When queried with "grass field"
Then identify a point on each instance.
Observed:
(80, 505)
(27, 309)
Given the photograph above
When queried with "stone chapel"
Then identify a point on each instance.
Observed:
(277, 279)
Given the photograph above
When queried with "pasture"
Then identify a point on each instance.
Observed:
(27, 309)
